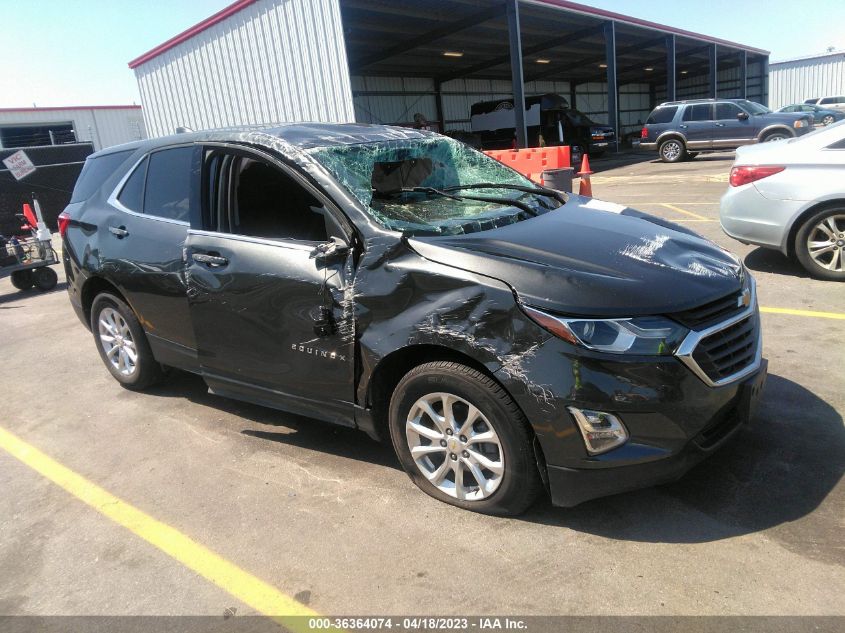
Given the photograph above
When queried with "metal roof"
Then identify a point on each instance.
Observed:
(407, 38)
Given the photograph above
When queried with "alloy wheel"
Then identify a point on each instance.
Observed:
(671, 150)
(826, 241)
(454, 446)
(776, 137)
(118, 344)
(827, 120)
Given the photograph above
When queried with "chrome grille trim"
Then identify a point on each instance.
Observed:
(687, 347)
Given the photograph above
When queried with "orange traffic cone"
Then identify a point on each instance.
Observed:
(585, 188)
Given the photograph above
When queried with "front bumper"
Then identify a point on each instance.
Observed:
(571, 486)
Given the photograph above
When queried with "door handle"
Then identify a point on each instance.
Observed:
(119, 231)
(683, 127)
(211, 260)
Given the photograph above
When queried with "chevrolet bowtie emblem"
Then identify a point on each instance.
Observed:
(744, 300)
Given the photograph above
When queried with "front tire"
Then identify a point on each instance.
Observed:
(776, 136)
(672, 151)
(122, 344)
(820, 242)
(463, 440)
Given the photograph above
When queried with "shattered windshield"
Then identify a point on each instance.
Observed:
(415, 185)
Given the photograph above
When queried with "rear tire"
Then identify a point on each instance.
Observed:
(122, 344)
(672, 151)
(45, 278)
(820, 242)
(482, 461)
(22, 279)
(827, 120)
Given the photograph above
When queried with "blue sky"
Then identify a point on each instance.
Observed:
(74, 52)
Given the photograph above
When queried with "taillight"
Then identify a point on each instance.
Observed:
(749, 173)
(64, 222)
(644, 132)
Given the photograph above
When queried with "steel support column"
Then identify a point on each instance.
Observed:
(671, 72)
(612, 88)
(764, 80)
(518, 88)
(438, 105)
(714, 70)
(743, 74)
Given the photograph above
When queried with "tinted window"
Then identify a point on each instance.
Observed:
(726, 111)
(832, 100)
(662, 115)
(791, 108)
(700, 112)
(132, 194)
(169, 178)
(95, 172)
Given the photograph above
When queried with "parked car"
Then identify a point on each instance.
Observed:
(505, 336)
(681, 129)
(790, 196)
(830, 103)
(822, 116)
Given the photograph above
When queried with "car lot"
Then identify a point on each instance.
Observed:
(326, 517)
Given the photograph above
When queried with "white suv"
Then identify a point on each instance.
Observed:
(828, 103)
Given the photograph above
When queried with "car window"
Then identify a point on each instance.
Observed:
(262, 201)
(95, 172)
(832, 100)
(727, 111)
(699, 112)
(168, 190)
(789, 109)
(132, 194)
(662, 115)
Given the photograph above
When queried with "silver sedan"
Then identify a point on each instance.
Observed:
(790, 195)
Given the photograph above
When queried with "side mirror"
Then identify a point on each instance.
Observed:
(742, 116)
(331, 250)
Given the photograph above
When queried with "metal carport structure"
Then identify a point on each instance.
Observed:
(431, 53)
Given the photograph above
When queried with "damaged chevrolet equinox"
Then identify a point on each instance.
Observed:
(506, 337)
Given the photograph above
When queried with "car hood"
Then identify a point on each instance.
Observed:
(594, 258)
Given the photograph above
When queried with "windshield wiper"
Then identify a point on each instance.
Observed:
(540, 191)
(444, 192)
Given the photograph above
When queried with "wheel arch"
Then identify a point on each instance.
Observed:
(779, 127)
(672, 134)
(94, 286)
(799, 220)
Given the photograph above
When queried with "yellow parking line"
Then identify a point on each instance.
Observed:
(806, 313)
(242, 585)
(701, 218)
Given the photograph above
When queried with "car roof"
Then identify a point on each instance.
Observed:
(304, 135)
(693, 101)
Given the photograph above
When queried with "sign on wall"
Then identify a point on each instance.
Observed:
(19, 164)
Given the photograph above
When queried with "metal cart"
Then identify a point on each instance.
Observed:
(27, 260)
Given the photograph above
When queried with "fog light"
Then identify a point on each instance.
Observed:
(602, 431)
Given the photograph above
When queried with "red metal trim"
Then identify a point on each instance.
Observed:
(189, 33)
(54, 108)
(582, 8)
(562, 4)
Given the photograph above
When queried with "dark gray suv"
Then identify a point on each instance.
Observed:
(681, 129)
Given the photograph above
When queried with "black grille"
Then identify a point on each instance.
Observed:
(710, 313)
(728, 351)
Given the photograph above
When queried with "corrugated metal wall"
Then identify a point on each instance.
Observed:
(273, 61)
(801, 79)
(103, 127)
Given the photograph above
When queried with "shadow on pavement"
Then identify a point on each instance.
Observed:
(768, 260)
(777, 471)
(285, 428)
(17, 295)
(771, 474)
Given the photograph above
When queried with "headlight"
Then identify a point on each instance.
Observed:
(799, 123)
(652, 336)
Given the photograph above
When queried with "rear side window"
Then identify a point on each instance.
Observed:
(662, 115)
(726, 111)
(699, 112)
(169, 176)
(132, 194)
(95, 172)
(832, 100)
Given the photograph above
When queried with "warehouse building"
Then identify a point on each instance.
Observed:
(802, 78)
(410, 63)
(102, 126)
